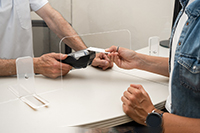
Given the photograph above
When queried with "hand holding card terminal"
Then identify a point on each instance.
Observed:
(80, 59)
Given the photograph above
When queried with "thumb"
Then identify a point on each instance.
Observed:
(111, 49)
(59, 56)
(99, 62)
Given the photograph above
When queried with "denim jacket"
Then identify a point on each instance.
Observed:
(186, 74)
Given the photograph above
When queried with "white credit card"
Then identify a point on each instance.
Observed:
(98, 50)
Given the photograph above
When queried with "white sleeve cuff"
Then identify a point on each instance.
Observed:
(37, 4)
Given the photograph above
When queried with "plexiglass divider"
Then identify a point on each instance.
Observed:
(154, 46)
(25, 87)
(102, 40)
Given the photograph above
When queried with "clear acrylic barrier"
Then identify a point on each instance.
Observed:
(154, 46)
(25, 87)
(121, 38)
(102, 40)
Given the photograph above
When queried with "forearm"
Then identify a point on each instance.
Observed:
(61, 27)
(177, 124)
(158, 65)
(7, 67)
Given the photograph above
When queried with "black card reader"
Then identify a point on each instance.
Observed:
(80, 59)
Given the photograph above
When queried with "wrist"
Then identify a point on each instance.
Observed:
(159, 111)
(36, 65)
(154, 119)
(139, 62)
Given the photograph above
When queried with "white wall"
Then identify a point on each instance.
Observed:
(143, 18)
(63, 6)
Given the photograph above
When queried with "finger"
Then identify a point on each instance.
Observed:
(134, 91)
(126, 101)
(127, 95)
(126, 109)
(99, 55)
(65, 72)
(107, 64)
(113, 53)
(130, 89)
(137, 95)
(111, 56)
(103, 67)
(117, 60)
(66, 67)
(135, 85)
(111, 49)
(106, 67)
(127, 105)
(105, 57)
(139, 87)
(59, 56)
(101, 63)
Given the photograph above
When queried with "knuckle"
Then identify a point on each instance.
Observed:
(137, 92)
(55, 65)
(140, 86)
(126, 110)
(130, 89)
(132, 98)
(124, 93)
(129, 103)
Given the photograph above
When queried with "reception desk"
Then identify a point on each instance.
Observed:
(89, 98)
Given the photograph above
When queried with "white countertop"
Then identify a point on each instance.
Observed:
(87, 98)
